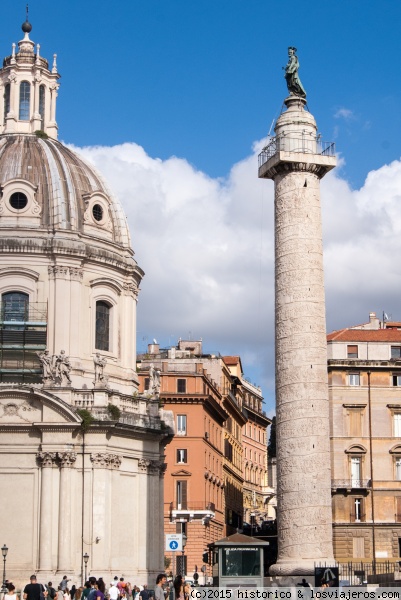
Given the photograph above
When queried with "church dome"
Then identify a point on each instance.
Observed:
(46, 185)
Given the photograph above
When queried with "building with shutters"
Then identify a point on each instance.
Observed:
(81, 452)
(364, 366)
(204, 480)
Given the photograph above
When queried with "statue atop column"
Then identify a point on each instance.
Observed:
(63, 368)
(294, 84)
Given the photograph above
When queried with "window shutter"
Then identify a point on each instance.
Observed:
(398, 509)
(184, 502)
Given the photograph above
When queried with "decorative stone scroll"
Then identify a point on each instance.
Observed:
(104, 460)
(67, 459)
(47, 459)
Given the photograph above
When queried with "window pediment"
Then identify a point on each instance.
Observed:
(356, 449)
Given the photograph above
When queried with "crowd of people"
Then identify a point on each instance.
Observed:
(95, 589)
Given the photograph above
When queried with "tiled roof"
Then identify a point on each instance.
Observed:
(365, 335)
(231, 360)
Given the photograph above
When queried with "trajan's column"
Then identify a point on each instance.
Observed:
(296, 160)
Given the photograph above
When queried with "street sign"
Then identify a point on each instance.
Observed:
(173, 542)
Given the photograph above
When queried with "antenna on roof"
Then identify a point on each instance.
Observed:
(27, 12)
(271, 127)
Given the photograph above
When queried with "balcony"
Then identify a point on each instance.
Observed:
(191, 511)
(351, 484)
(283, 146)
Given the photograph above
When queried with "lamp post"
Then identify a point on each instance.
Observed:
(184, 543)
(4, 551)
(86, 558)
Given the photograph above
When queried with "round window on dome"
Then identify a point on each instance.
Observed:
(97, 212)
(18, 200)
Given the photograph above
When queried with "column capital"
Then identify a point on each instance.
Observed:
(47, 459)
(67, 459)
(104, 460)
(153, 467)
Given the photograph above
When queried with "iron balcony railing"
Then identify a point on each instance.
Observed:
(189, 506)
(303, 143)
(351, 483)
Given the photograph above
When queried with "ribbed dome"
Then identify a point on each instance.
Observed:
(63, 191)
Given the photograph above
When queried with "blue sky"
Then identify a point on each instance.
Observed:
(201, 80)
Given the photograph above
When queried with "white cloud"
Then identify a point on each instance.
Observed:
(344, 113)
(206, 246)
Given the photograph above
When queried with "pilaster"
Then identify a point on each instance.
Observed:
(67, 461)
(48, 461)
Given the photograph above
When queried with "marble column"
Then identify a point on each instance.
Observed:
(48, 462)
(303, 443)
(67, 460)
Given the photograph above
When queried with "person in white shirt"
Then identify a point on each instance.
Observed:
(113, 592)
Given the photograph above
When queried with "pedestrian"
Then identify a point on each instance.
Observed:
(10, 595)
(99, 595)
(93, 589)
(60, 593)
(144, 593)
(78, 593)
(34, 590)
(51, 592)
(113, 591)
(67, 595)
(86, 590)
(161, 580)
(72, 591)
(64, 583)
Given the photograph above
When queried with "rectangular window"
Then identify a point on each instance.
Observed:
(398, 469)
(358, 544)
(398, 510)
(181, 495)
(354, 422)
(181, 424)
(147, 383)
(396, 380)
(395, 351)
(181, 386)
(397, 424)
(182, 455)
(354, 379)
(356, 471)
(357, 514)
(228, 450)
(352, 351)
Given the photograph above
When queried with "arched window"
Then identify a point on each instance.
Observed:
(102, 341)
(6, 100)
(24, 100)
(15, 306)
(42, 105)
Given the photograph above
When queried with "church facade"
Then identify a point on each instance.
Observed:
(81, 451)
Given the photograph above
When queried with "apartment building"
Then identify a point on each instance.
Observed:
(364, 368)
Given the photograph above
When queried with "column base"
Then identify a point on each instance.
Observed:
(289, 581)
(286, 568)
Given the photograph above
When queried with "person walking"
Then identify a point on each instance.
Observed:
(10, 595)
(161, 580)
(66, 595)
(33, 590)
(64, 583)
(51, 592)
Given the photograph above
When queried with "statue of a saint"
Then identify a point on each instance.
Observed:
(154, 380)
(294, 84)
(100, 364)
(63, 367)
(47, 366)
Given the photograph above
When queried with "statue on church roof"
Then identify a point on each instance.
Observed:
(294, 84)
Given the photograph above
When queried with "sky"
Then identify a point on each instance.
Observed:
(173, 100)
